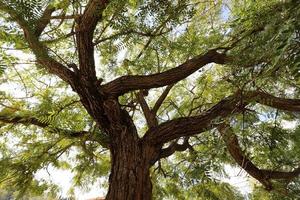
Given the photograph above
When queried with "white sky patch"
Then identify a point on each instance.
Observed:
(289, 124)
(225, 11)
(63, 178)
(179, 30)
(238, 178)
(290, 91)
(96, 191)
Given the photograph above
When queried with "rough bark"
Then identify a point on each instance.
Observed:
(130, 175)
(130, 159)
(128, 83)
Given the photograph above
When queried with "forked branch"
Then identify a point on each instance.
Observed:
(92, 14)
(161, 99)
(150, 114)
(85, 28)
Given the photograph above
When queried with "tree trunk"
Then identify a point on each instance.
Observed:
(131, 159)
(130, 175)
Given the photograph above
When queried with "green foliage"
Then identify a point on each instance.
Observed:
(274, 30)
(2, 68)
(30, 10)
(261, 194)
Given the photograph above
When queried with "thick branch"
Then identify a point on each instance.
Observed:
(263, 176)
(92, 14)
(188, 126)
(238, 155)
(124, 84)
(84, 37)
(150, 114)
(44, 20)
(282, 175)
(292, 105)
(46, 61)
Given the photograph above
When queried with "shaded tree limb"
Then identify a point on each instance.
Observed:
(92, 14)
(161, 99)
(262, 175)
(86, 25)
(44, 20)
(188, 126)
(292, 105)
(128, 83)
(149, 115)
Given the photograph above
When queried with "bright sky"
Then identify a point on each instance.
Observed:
(63, 178)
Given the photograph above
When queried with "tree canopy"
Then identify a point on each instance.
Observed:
(158, 94)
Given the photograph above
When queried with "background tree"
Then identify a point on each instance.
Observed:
(145, 89)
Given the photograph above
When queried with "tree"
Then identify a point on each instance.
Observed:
(195, 70)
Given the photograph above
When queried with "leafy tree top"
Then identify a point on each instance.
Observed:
(205, 83)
